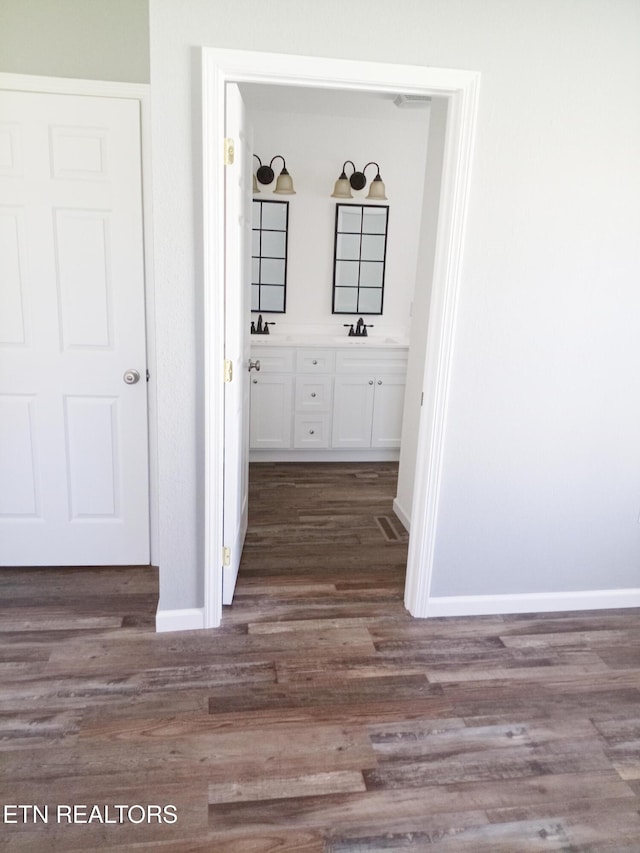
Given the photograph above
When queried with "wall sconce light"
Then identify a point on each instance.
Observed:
(265, 175)
(358, 181)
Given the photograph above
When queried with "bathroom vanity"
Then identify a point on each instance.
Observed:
(327, 399)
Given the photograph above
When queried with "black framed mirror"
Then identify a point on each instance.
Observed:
(270, 235)
(360, 252)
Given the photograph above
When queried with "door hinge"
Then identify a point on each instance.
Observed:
(228, 370)
(422, 398)
(229, 151)
(226, 556)
(148, 375)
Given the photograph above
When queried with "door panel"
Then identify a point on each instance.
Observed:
(271, 408)
(352, 411)
(388, 409)
(73, 443)
(238, 212)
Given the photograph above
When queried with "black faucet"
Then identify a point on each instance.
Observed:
(259, 329)
(361, 328)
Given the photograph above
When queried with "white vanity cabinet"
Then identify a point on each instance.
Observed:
(367, 411)
(369, 398)
(270, 425)
(327, 403)
(388, 405)
(313, 398)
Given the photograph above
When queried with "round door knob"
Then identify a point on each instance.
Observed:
(254, 365)
(313, 393)
(371, 382)
(131, 377)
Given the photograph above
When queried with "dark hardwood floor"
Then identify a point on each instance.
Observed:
(321, 716)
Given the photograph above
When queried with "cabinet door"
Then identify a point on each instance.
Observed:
(388, 406)
(271, 411)
(352, 411)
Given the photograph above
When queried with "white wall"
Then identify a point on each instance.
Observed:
(315, 145)
(89, 39)
(541, 481)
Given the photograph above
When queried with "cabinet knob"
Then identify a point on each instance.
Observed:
(315, 361)
(379, 381)
(371, 382)
(255, 381)
(311, 431)
(313, 393)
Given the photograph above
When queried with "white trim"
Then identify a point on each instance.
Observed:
(533, 602)
(140, 92)
(180, 620)
(337, 455)
(456, 175)
(402, 515)
(461, 90)
(73, 86)
(213, 130)
(150, 317)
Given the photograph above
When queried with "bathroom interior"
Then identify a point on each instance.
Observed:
(331, 387)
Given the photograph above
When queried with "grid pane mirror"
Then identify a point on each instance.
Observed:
(359, 258)
(269, 256)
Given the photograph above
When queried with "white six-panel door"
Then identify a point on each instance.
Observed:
(73, 433)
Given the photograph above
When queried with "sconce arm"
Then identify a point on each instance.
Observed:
(279, 157)
(343, 175)
(372, 163)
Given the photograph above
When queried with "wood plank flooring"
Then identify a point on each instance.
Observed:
(321, 716)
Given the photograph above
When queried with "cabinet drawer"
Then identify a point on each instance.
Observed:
(311, 431)
(273, 359)
(313, 393)
(315, 361)
(358, 360)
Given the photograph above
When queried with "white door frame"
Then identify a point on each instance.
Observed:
(461, 90)
(138, 92)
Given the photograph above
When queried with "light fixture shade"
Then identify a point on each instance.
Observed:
(377, 190)
(342, 188)
(256, 188)
(284, 184)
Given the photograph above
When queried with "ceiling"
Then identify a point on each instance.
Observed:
(329, 102)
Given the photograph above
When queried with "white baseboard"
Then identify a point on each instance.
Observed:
(402, 515)
(537, 602)
(338, 455)
(180, 620)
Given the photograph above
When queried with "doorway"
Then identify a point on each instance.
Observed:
(348, 418)
(458, 90)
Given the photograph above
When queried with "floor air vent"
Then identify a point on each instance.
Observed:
(390, 528)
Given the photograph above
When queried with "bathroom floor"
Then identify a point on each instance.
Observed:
(320, 534)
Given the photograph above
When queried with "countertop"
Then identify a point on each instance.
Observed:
(337, 341)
